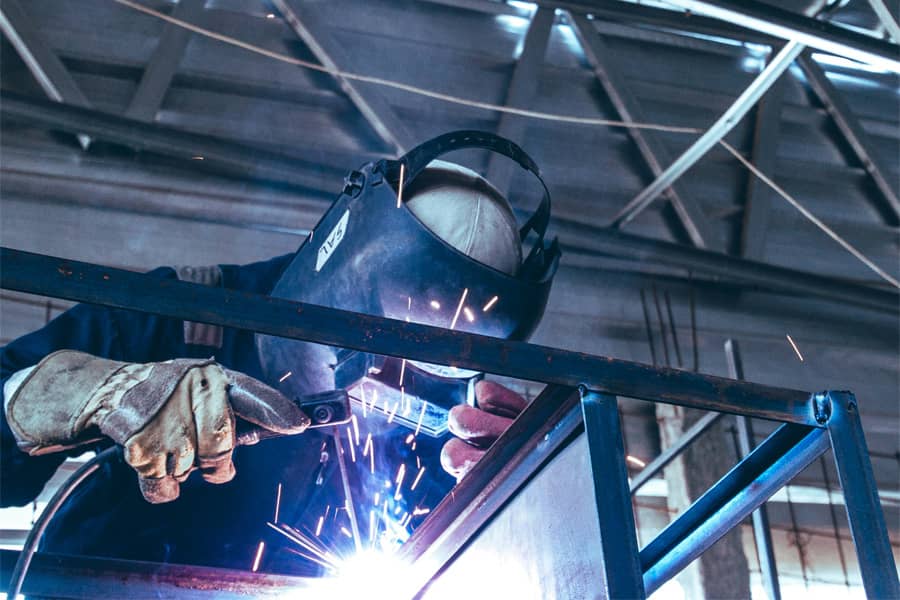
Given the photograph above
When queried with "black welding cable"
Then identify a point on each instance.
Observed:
(37, 530)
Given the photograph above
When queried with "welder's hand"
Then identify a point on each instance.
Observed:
(477, 428)
(171, 417)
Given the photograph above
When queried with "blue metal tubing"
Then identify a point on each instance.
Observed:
(618, 540)
(737, 479)
(700, 536)
(864, 513)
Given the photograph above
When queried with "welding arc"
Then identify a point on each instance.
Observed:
(508, 110)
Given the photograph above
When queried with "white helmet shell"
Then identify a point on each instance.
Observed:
(463, 209)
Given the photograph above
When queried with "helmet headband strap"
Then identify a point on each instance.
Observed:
(419, 157)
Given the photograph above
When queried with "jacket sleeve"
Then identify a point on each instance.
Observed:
(115, 334)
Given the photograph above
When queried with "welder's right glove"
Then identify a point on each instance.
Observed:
(171, 417)
(477, 428)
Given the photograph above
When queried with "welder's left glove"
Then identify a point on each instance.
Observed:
(477, 428)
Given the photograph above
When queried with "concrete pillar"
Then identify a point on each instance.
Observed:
(722, 571)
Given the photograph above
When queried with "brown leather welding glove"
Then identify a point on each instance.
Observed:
(477, 428)
(170, 417)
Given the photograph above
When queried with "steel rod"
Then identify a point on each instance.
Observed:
(771, 20)
(738, 478)
(762, 533)
(669, 454)
(738, 505)
(85, 282)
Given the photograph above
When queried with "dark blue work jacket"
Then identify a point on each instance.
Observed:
(215, 525)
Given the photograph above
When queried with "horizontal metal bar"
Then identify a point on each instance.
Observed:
(609, 242)
(702, 534)
(84, 282)
(669, 454)
(547, 425)
(77, 577)
(738, 478)
(788, 25)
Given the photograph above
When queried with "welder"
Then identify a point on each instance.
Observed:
(403, 237)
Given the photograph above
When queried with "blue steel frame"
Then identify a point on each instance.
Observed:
(810, 422)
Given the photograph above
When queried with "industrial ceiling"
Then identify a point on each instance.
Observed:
(242, 149)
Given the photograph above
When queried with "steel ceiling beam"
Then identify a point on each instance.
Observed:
(711, 137)
(822, 35)
(161, 69)
(758, 203)
(38, 56)
(853, 133)
(722, 267)
(203, 152)
(521, 93)
(312, 30)
(887, 14)
(652, 150)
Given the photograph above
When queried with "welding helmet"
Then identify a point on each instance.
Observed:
(382, 249)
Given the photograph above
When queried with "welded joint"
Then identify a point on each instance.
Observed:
(825, 404)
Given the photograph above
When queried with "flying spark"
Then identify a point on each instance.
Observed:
(401, 473)
(490, 304)
(196, 158)
(421, 418)
(373, 526)
(363, 401)
(346, 532)
(374, 400)
(270, 16)
(259, 551)
(355, 423)
(470, 316)
(372, 459)
(285, 376)
(319, 525)
(393, 412)
(277, 502)
(350, 443)
(418, 477)
(409, 438)
(368, 445)
(635, 461)
(400, 186)
(402, 371)
(794, 346)
(420, 511)
(435, 305)
(462, 301)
